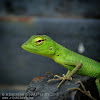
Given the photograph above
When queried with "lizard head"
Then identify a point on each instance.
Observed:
(40, 44)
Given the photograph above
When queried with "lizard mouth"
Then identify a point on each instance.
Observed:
(28, 48)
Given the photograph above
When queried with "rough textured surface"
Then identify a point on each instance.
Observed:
(6, 94)
(40, 90)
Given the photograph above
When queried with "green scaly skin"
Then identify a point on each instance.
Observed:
(75, 63)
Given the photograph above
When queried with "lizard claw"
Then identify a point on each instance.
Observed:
(57, 78)
(83, 90)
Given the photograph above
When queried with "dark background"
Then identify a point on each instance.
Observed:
(68, 22)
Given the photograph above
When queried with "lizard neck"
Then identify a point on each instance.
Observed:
(60, 51)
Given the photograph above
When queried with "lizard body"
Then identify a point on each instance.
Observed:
(74, 62)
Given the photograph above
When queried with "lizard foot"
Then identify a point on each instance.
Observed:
(83, 90)
(58, 77)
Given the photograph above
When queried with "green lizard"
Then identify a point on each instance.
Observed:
(75, 63)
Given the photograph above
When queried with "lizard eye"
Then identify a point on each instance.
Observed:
(39, 41)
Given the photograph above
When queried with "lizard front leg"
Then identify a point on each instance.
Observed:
(69, 74)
